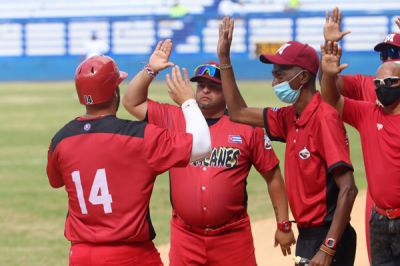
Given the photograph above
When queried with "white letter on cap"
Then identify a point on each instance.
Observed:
(282, 48)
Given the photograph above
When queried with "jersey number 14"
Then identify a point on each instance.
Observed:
(99, 194)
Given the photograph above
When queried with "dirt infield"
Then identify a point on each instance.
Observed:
(267, 255)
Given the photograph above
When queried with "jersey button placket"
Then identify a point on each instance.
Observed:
(204, 190)
(295, 137)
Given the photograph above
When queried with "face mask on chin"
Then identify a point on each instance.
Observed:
(387, 95)
(285, 93)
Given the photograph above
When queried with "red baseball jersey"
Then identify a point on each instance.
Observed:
(359, 87)
(108, 166)
(316, 144)
(380, 139)
(212, 192)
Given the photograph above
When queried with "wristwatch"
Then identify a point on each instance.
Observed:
(330, 243)
(285, 226)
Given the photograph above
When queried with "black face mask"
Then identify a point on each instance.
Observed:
(388, 95)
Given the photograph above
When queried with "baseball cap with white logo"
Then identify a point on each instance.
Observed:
(294, 53)
(392, 39)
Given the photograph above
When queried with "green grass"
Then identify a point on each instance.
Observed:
(32, 214)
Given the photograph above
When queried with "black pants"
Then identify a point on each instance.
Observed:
(385, 240)
(310, 239)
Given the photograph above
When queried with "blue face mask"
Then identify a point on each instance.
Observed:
(285, 93)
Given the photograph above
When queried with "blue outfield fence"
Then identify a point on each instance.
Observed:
(50, 49)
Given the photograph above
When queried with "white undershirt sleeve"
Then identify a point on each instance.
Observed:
(197, 126)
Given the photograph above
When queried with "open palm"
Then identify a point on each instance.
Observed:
(159, 59)
(331, 54)
(332, 26)
(225, 37)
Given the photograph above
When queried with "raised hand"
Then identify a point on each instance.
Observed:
(225, 37)
(330, 63)
(159, 59)
(179, 88)
(332, 26)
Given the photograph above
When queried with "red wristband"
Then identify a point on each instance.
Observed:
(285, 226)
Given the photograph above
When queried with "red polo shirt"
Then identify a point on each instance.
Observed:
(316, 144)
(212, 192)
(108, 166)
(359, 87)
(380, 139)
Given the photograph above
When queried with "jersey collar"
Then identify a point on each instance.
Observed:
(309, 110)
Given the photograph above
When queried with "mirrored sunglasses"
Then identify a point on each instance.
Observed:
(388, 82)
(210, 70)
(392, 53)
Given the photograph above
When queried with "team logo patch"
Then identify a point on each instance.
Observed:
(267, 143)
(304, 154)
(275, 109)
(235, 139)
(379, 126)
(87, 127)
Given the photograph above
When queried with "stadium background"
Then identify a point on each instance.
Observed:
(41, 42)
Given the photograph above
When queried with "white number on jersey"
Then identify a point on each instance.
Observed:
(99, 194)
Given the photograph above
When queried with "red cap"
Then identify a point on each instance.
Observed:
(206, 75)
(392, 39)
(294, 54)
(96, 79)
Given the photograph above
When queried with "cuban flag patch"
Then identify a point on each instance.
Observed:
(235, 139)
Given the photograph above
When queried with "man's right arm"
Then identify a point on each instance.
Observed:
(330, 66)
(333, 33)
(135, 97)
(238, 110)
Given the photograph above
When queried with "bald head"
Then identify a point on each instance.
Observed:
(388, 69)
(387, 85)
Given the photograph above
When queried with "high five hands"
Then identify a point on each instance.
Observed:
(225, 38)
(159, 59)
(330, 63)
(179, 88)
(332, 26)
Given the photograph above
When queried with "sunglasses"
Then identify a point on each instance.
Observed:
(210, 70)
(392, 53)
(388, 82)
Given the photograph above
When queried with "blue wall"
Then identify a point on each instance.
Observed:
(62, 68)
(42, 68)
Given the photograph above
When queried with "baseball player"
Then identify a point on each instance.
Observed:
(108, 167)
(319, 179)
(210, 224)
(379, 128)
(361, 87)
